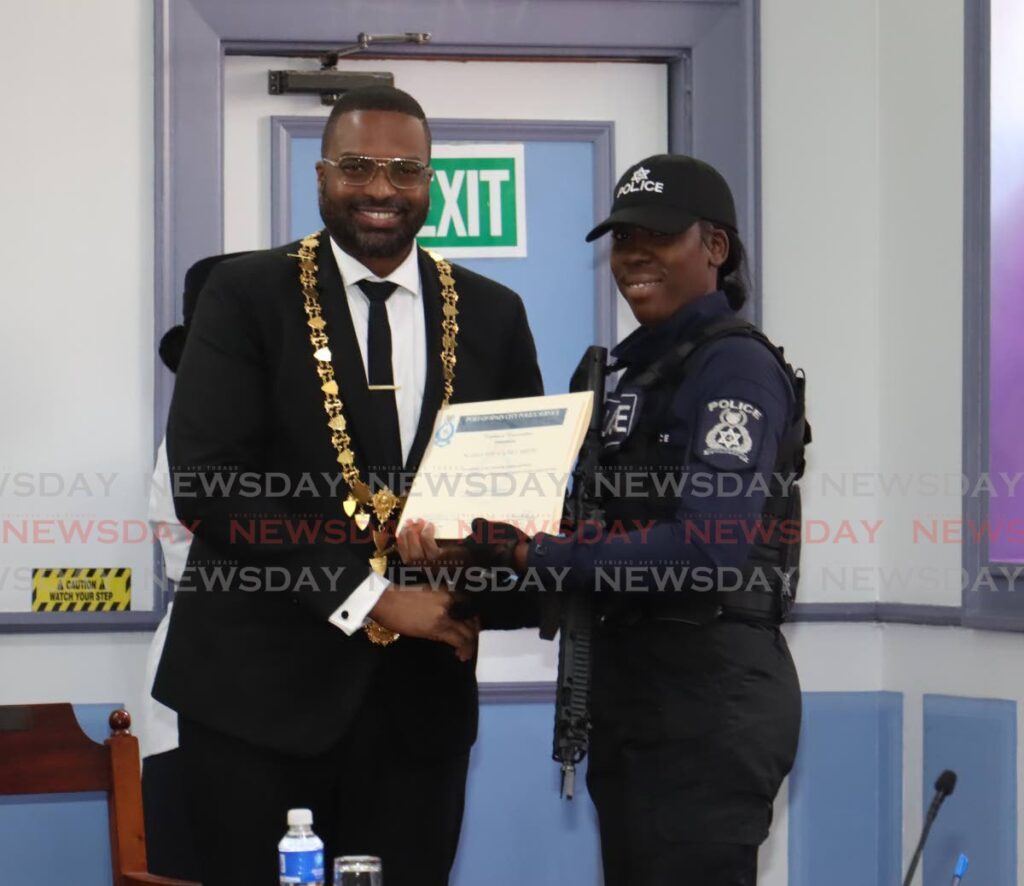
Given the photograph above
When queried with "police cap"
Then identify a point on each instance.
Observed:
(668, 193)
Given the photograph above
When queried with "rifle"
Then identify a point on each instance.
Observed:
(575, 618)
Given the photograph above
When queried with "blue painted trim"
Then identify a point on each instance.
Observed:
(977, 63)
(1012, 622)
(977, 739)
(846, 790)
(551, 27)
(80, 622)
(754, 246)
(282, 131)
(517, 693)
(919, 614)
(829, 612)
(468, 51)
(886, 613)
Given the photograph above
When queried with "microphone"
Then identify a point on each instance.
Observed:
(944, 786)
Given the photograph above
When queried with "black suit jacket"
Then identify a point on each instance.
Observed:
(250, 651)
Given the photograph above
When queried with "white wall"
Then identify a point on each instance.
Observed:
(862, 203)
(76, 344)
(921, 282)
(821, 258)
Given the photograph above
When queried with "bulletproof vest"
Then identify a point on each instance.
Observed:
(636, 479)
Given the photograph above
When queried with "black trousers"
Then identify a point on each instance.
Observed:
(680, 864)
(169, 845)
(694, 728)
(369, 796)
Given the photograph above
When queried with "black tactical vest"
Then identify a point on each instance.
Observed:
(636, 482)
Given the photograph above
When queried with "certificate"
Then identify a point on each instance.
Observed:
(504, 460)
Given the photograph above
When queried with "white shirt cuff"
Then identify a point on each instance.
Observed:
(351, 615)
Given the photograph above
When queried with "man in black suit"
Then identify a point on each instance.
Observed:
(304, 395)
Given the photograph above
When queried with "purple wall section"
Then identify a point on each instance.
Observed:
(1006, 324)
(993, 295)
(1006, 391)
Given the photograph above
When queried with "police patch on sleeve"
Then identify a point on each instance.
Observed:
(729, 433)
(620, 414)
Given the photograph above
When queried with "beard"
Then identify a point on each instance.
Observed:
(361, 242)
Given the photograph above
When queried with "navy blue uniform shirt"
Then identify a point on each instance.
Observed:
(728, 414)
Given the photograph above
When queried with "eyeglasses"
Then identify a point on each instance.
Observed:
(401, 173)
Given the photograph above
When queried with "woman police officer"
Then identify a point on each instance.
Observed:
(695, 701)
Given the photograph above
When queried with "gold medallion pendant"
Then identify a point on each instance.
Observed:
(361, 501)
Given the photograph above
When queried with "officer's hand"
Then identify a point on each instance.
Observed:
(496, 545)
(421, 611)
(418, 547)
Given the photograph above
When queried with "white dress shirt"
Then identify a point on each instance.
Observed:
(409, 365)
(158, 729)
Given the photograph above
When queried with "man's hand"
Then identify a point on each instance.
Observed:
(418, 547)
(421, 611)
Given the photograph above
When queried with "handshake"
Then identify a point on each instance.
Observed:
(429, 613)
(488, 546)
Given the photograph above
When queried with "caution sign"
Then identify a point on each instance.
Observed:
(81, 590)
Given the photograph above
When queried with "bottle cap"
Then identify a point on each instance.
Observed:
(299, 817)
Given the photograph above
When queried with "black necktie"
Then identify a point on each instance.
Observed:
(379, 372)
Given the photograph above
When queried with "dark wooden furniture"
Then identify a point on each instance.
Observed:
(43, 751)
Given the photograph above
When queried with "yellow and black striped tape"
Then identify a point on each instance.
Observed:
(81, 590)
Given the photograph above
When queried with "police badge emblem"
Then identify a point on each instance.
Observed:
(730, 436)
(443, 435)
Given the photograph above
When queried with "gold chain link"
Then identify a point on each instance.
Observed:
(384, 502)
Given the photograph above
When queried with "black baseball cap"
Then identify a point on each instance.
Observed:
(668, 193)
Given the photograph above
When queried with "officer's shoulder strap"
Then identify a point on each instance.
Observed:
(674, 366)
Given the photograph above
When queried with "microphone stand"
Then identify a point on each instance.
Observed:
(943, 787)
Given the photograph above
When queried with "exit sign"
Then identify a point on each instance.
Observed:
(477, 202)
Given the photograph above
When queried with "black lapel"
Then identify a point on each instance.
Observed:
(346, 357)
(433, 391)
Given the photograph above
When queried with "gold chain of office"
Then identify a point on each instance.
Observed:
(383, 502)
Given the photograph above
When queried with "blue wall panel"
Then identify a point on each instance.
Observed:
(977, 739)
(845, 809)
(59, 839)
(845, 792)
(556, 279)
(517, 831)
(305, 206)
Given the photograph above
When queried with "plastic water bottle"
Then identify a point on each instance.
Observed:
(301, 852)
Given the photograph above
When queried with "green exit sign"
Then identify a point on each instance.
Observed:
(477, 202)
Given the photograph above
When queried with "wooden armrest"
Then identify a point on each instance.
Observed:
(143, 879)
